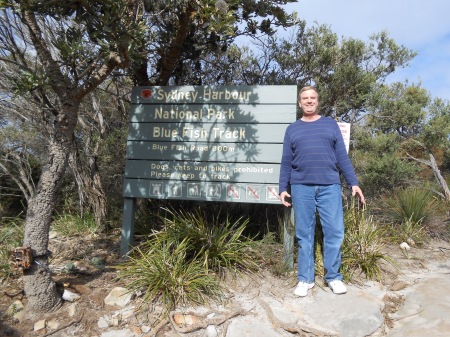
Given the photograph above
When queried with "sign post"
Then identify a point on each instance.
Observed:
(205, 143)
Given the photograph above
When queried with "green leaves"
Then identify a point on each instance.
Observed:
(220, 244)
(363, 244)
(27, 81)
(412, 204)
(166, 275)
(182, 263)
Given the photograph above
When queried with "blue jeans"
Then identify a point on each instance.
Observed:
(327, 200)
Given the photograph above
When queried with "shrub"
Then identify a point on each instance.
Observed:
(410, 204)
(221, 245)
(166, 274)
(183, 263)
(363, 243)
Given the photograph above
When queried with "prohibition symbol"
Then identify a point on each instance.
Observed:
(233, 192)
(253, 192)
(272, 193)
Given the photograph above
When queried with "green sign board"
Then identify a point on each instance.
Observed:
(216, 143)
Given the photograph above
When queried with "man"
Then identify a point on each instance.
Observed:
(313, 153)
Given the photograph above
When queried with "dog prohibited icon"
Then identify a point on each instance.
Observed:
(253, 192)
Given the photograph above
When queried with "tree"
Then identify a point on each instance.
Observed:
(59, 58)
(346, 71)
(183, 33)
(422, 125)
(378, 161)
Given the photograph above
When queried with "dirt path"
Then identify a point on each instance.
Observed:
(417, 288)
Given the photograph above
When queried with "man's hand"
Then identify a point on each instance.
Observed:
(357, 191)
(284, 195)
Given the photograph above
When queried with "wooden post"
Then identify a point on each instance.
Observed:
(129, 207)
(288, 236)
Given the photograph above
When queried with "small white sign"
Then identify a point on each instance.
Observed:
(345, 130)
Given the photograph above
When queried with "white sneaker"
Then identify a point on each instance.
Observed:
(302, 288)
(337, 287)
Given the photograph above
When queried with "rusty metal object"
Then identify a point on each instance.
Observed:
(21, 258)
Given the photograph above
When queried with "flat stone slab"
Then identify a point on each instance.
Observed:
(248, 326)
(425, 311)
(355, 314)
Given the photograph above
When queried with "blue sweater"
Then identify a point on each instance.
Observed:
(313, 153)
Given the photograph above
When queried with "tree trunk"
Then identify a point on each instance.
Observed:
(38, 284)
(173, 54)
(90, 189)
(437, 173)
(439, 177)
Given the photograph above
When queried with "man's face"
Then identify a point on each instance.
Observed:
(309, 102)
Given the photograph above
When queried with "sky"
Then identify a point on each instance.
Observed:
(420, 25)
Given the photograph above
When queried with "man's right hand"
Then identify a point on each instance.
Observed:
(284, 196)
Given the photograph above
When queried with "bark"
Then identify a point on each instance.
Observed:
(90, 189)
(170, 59)
(440, 178)
(39, 287)
(437, 173)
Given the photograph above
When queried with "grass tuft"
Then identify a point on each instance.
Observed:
(220, 244)
(69, 224)
(165, 274)
(363, 243)
(184, 262)
(410, 204)
(11, 236)
(411, 231)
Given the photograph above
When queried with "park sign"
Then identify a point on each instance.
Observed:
(207, 143)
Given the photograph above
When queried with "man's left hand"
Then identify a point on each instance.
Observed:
(357, 191)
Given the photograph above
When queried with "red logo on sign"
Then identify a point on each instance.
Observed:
(146, 93)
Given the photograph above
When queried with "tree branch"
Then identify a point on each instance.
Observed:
(57, 80)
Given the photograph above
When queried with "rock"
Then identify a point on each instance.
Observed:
(127, 313)
(404, 246)
(398, 285)
(246, 326)
(103, 322)
(425, 310)
(185, 319)
(72, 310)
(53, 234)
(16, 310)
(211, 331)
(145, 328)
(119, 333)
(118, 296)
(40, 325)
(53, 324)
(357, 313)
(137, 330)
(70, 296)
